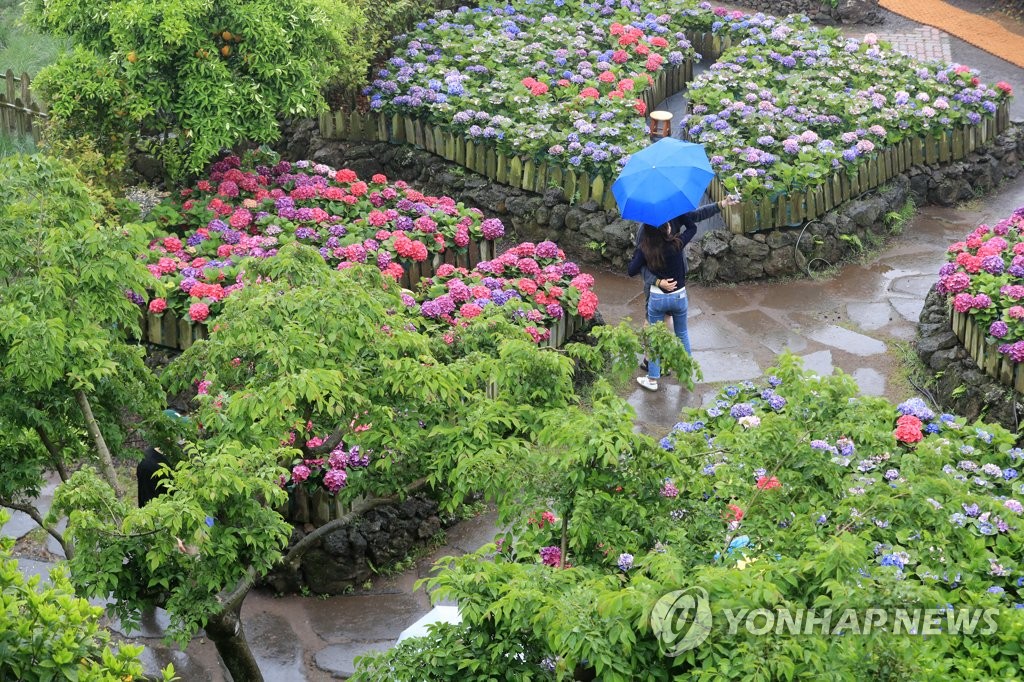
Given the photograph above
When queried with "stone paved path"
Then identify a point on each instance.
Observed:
(923, 43)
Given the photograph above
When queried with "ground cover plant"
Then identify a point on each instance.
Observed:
(557, 83)
(982, 279)
(792, 493)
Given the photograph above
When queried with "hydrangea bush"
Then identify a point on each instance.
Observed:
(790, 103)
(982, 279)
(792, 494)
(240, 213)
(533, 283)
(557, 81)
(252, 214)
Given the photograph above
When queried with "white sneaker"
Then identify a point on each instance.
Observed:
(648, 383)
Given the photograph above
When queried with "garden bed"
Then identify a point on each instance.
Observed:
(981, 284)
(414, 239)
(785, 177)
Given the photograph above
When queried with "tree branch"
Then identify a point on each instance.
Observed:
(302, 546)
(228, 600)
(37, 517)
(106, 461)
(565, 539)
(329, 444)
(58, 462)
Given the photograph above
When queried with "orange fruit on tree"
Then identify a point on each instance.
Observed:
(226, 50)
(226, 35)
(132, 57)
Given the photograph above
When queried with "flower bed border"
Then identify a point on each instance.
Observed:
(791, 210)
(997, 365)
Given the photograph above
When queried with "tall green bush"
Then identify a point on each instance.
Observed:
(789, 497)
(192, 77)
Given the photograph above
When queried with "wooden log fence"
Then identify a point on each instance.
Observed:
(983, 348)
(783, 210)
(797, 207)
(20, 113)
(316, 507)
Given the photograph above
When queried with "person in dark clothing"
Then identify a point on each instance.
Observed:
(150, 478)
(660, 249)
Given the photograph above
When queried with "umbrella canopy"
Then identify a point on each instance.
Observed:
(663, 181)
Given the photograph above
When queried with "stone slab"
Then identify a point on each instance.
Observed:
(339, 659)
(720, 366)
(18, 526)
(870, 381)
(364, 618)
(846, 340)
(869, 316)
(908, 308)
(820, 362)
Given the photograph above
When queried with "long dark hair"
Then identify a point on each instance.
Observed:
(655, 243)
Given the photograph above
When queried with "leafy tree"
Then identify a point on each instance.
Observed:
(48, 633)
(67, 373)
(197, 76)
(303, 360)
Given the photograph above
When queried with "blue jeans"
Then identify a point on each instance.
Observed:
(658, 307)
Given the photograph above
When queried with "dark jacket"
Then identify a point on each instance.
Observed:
(675, 261)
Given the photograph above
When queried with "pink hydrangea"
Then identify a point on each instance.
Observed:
(669, 489)
(335, 479)
(470, 310)
(300, 472)
(955, 283)
(198, 312)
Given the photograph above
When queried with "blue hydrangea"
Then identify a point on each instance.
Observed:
(893, 560)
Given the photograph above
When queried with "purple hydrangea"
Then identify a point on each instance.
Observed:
(993, 264)
(492, 228)
(741, 410)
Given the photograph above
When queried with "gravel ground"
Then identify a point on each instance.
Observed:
(146, 197)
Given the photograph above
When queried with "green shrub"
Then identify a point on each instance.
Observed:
(788, 497)
(47, 633)
(192, 78)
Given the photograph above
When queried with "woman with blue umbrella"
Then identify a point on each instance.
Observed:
(660, 186)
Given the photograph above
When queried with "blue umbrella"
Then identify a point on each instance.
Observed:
(663, 181)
